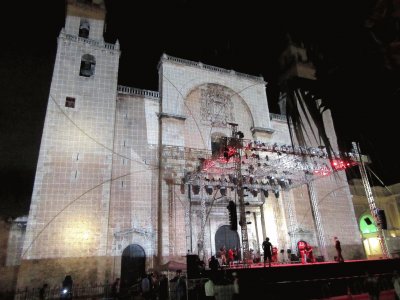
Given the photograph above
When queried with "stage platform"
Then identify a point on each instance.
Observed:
(307, 281)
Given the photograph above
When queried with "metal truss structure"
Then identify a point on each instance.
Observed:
(255, 167)
(371, 201)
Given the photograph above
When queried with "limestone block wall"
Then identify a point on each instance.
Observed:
(69, 208)
(84, 271)
(8, 272)
(15, 241)
(134, 188)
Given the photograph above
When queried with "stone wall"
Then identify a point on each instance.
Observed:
(8, 276)
(85, 270)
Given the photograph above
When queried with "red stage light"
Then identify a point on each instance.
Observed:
(341, 165)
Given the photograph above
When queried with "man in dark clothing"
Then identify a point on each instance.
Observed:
(181, 288)
(43, 292)
(177, 276)
(67, 284)
(338, 250)
(163, 288)
(115, 289)
(214, 264)
(145, 287)
(267, 247)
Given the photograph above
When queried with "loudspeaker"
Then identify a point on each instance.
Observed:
(368, 221)
(193, 266)
(382, 218)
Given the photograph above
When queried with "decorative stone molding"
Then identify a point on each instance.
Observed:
(173, 116)
(216, 105)
(260, 129)
(200, 65)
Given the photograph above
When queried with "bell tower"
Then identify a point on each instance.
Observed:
(68, 218)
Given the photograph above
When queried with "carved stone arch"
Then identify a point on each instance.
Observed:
(217, 92)
(210, 107)
(88, 64)
(84, 28)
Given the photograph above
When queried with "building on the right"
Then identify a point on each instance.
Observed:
(387, 199)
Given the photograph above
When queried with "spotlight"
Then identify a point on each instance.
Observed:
(272, 181)
(209, 189)
(235, 180)
(282, 183)
(196, 189)
(222, 190)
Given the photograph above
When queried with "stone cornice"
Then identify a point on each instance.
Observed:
(200, 65)
(261, 129)
(166, 115)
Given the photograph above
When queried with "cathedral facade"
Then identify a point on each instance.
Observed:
(115, 186)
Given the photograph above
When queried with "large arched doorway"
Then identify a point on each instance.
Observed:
(369, 231)
(228, 238)
(133, 263)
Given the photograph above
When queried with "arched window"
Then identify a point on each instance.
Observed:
(88, 64)
(84, 29)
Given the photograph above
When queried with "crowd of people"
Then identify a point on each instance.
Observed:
(152, 286)
(228, 257)
(156, 286)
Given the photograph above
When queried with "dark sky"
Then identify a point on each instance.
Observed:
(243, 36)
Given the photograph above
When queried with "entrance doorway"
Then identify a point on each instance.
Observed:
(133, 263)
(228, 238)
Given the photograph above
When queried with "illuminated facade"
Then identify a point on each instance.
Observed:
(107, 199)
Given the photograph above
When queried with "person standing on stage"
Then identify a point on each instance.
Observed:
(267, 247)
(310, 254)
(338, 248)
(230, 257)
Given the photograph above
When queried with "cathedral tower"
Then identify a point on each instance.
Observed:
(68, 220)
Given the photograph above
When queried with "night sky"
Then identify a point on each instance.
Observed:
(363, 92)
